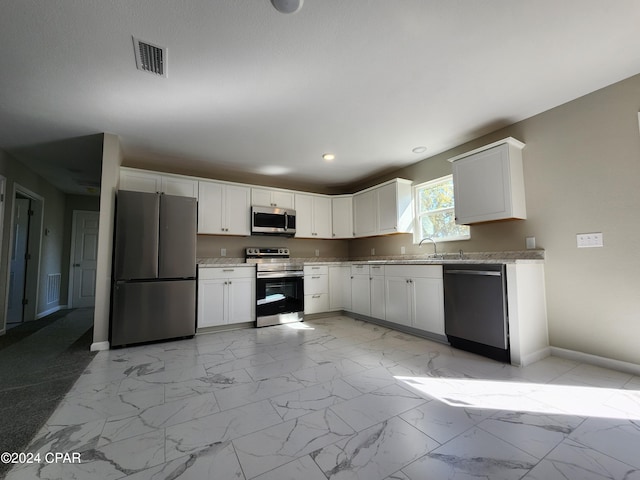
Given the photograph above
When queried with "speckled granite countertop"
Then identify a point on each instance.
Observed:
(521, 256)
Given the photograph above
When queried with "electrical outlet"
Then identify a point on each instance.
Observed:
(223, 252)
(590, 240)
(317, 252)
(373, 251)
(530, 242)
(403, 250)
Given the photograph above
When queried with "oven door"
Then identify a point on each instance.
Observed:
(279, 298)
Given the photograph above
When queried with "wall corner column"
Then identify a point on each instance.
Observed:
(111, 161)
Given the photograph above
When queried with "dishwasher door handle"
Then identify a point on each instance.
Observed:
(482, 273)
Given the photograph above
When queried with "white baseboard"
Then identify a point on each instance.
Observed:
(603, 362)
(98, 346)
(50, 311)
(535, 356)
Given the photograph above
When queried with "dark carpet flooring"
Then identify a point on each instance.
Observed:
(39, 362)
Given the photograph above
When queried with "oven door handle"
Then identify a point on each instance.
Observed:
(279, 274)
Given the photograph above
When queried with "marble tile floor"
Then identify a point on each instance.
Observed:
(336, 398)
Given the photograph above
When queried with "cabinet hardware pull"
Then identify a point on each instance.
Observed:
(316, 296)
(318, 276)
(228, 270)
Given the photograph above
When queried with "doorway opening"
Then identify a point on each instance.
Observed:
(24, 257)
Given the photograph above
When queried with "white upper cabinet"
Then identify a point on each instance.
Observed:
(152, 182)
(395, 212)
(384, 209)
(489, 183)
(313, 216)
(267, 197)
(223, 209)
(342, 216)
(364, 213)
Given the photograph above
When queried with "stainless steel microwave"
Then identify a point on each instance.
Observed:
(273, 221)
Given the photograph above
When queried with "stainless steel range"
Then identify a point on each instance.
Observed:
(279, 286)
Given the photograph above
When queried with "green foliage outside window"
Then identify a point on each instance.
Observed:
(435, 211)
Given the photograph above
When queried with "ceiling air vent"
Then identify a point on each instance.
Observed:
(150, 58)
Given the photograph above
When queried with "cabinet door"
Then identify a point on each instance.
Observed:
(342, 217)
(182, 187)
(210, 201)
(387, 208)
(321, 217)
(340, 288)
(482, 186)
(261, 197)
(335, 288)
(282, 199)
(398, 305)
(272, 198)
(377, 297)
(364, 213)
(304, 216)
(140, 181)
(237, 210)
(211, 302)
(360, 295)
(241, 300)
(428, 304)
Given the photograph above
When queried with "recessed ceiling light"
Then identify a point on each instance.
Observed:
(287, 6)
(419, 150)
(329, 157)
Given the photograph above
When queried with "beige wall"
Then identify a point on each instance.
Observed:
(210, 245)
(582, 174)
(51, 251)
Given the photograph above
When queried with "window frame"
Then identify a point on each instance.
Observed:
(417, 214)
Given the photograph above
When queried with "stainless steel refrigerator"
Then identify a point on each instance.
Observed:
(154, 268)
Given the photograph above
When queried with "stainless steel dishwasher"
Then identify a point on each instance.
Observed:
(475, 309)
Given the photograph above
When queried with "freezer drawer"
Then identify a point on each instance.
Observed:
(148, 311)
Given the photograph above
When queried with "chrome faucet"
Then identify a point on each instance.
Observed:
(435, 248)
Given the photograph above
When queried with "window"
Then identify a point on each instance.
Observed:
(435, 215)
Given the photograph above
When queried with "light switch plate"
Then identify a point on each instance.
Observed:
(590, 240)
(317, 252)
(530, 242)
(223, 252)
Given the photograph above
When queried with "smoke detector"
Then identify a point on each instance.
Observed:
(287, 6)
(150, 58)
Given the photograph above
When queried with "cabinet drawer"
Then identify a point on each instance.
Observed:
(414, 271)
(314, 284)
(207, 273)
(316, 303)
(377, 270)
(316, 270)
(359, 269)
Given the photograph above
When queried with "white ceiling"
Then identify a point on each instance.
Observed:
(251, 89)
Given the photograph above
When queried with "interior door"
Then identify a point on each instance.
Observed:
(18, 266)
(85, 254)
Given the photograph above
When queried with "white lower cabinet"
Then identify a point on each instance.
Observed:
(360, 290)
(339, 288)
(316, 289)
(414, 297)
(376, 286)
(226, 295)
(367, 290)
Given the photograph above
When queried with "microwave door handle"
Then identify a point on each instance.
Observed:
(286, 221)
